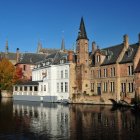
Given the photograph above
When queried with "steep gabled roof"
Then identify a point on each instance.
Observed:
(9, 55)
(112, 54)
(31, 58)
(130, 53)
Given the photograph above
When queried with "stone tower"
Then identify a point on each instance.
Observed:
(82, 45)
(82, 66)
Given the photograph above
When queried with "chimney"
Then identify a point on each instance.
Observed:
(17, 55)
(70, 56)
(93, 47)
(125, 41)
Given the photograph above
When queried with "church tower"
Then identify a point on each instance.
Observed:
(82, 45)
(82, 66)
(6, 47)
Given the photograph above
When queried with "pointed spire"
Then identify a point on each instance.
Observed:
(82, 31)
(39, 47)
(63, 45)
(6, 47)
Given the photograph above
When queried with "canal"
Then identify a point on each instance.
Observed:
(50, 121)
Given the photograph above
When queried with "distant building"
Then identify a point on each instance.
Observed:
(13, 57)
(47, 51)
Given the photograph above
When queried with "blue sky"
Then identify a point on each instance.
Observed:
(24, 22)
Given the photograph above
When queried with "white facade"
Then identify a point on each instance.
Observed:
(55, 81)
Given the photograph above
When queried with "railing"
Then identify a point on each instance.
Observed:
(33, 93)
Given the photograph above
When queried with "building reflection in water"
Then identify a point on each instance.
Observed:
(75, 122)
(47, 119)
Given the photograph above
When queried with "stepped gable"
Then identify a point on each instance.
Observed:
(112, 54)
(130, 53)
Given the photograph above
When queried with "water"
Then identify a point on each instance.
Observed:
(51, 121)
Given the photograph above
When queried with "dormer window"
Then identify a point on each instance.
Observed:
(129, 52)
(98, 58)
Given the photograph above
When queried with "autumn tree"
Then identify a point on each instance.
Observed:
(7, 74)
(18, 75)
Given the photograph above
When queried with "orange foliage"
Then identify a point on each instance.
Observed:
(7, 74)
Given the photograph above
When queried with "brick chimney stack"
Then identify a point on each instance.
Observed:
(126, 41)
(93, 47)
(70, 56)
(17, 55)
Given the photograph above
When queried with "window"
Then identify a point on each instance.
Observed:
(16, 88)
(57, 87)
(113, 72)
(105, 86)
(112, 86)
(61, 87)
(130, 70)
(35, 88)
(92, 74)
(66, 73)
(30, 88)
(61, 74)
(44, 87)
(99, 73)
(98, 58)
(92, 87)
(130, 85)
(123, 87)
(20, 88)
(66, 86)
(24, 67)
(105, 72)
(25, 88)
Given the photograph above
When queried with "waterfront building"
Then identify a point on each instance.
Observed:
(51, 79)
(92, 77)
(107, 73)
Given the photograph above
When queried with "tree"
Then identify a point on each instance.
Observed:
(7, 74)
(18, 75)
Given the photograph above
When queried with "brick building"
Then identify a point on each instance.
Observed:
(107, 73)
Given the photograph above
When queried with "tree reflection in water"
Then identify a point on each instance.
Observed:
(35, 120)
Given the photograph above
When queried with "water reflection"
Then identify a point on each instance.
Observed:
(49, 120)
(34, 120)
